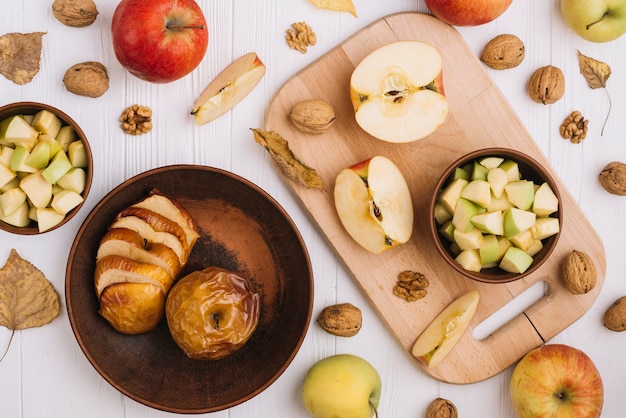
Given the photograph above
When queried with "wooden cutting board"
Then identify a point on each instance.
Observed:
(480, 117)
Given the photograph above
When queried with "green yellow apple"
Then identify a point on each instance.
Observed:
(595, 20)
(342, 385)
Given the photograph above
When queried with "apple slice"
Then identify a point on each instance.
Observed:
(11, 200)
(515, 260)
(545, 202)
(442, 334)
(37, 189)
(397, 91)
(521, 193)
(16, 130)
(470, 260)
(75, 180)
(374, 204)
(228, 88)
(48, 218)
(18, 218)
(46, 123)
(6, 175)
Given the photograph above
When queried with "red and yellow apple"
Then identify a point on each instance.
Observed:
(374, 204)
(555, 381)
(228, 88)
(468, 12)
(397, 92)
(159, 40)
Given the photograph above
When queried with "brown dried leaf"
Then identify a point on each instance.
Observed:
(336, 5)
(27, 298)
(595, 72)
(20, 56)
(293, 168)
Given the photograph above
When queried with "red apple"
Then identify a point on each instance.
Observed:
(159, 40)
(467, 12)
(556, 380)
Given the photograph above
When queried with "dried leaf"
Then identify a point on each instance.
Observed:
(27, 298)
(293, 168)
(336, 5)
(20, 56)
(596, 73)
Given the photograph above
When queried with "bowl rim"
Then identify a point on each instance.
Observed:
(496, 275)
(28, 106)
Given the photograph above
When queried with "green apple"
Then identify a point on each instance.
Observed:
(39, 156)
(491, 162)
(461, 173)
(544, 228)
(66, 136)
(595, 20)
(12, 184)
(479, 171)
(66, 200)
(517, 220)
(47, 218)
(77, 154)
(6, 175)
(6, 152)
(18, 218)
(545, 202)
(447, 230)
(523, 240)
(18, 160)
(489, 251)
(74, 180)
(463, 213)
(47, 123)
(511, 168)
(469, 260)
(535, 247)
(515, 260)
(342, 385)
(489, 222)
(57, 168)
(11, 200)
(451, 193)
(470, 240)
(521, 193)
(16, 130)
(441, 214)
(37, 189)
(497, 178)
(478, 191)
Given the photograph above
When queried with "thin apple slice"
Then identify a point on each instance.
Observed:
(442, 334)
(228, 88)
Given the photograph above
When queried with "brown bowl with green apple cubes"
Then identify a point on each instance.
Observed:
(496, 215)
(45, 168)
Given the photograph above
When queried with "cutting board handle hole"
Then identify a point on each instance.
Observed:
(505, 314)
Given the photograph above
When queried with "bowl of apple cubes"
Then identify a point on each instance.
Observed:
(45, 168)
(496, 215)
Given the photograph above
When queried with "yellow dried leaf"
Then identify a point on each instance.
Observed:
(27, 298)
(336, 5)
(596, 73)
(293, 168)
(20, 56)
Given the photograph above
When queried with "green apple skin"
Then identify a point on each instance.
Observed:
(556, 380)
(595, 20)
(342, 385)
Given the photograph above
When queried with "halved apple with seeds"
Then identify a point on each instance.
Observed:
(442, 334)
(397, 92)
(374, 204)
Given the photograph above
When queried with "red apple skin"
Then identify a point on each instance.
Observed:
(467, 12)
(556, 380)
(149, 47)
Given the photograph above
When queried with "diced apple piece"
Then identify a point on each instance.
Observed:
(451, 193)
(521, 193)
(65, 201)
(15, 130)
(39, 156)
(544, 228)
(18, 160)
(75, 180)
(463, 213)
(37, 189)
(489, 222)
(523, 240)
(32, 213)
(534, 248)
(469, 260)
(491, 162)
(66, 136)
(6, 152)
(447, 230)
(12, 184)
(489, 251)
(48, 218)
(441, 214)
(504, 245)
(11, 200)
(6, 175)
(18, 218)
(517, 220)
(77, 154)
(461, 173)
(55, 146)
(470, 240)
(512, 170)
(501, 203)
(497, 179)
(57, 168)
(47, 123)
(442, 334)
(515, 260)
(478, 191)
(545, 202)
(479, 172)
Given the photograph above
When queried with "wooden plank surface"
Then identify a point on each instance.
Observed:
(480, 117)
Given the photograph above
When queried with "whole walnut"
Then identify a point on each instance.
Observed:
(613, 178)
(503, 52)
(615, 315)
(75, 13)
(88, 78)
(547, 85)
(343, 319)
(578, 273)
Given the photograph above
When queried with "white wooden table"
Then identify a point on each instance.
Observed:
(45, 374)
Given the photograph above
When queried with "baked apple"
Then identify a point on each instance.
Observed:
(211, 313)
(132, 308)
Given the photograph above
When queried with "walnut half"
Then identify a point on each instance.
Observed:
(136, 120)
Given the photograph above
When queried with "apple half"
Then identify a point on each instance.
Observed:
(374, 204)
(397, 92)
(228, 88)
(442, 334)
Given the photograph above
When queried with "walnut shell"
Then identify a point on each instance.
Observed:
(87, 79)
(75, 13)
(615, 316)
(343, 320)
(578, 273)
(613, 178)
(441, 408)
(547, 85)
(313, 116)
(503, 52)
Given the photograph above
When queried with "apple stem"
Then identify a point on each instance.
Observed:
(168, 26)
(597, 21)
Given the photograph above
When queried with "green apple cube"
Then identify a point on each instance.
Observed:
(32, 213)
(489, 222)
(544, 228)
(501, 203)
(6, 175)
(37, 189)
(57, 168)
(534, 248)
(12, 184)
(47, 123)
(523, 240)
(521, 193)
(65, 201)
(491, 162)
(479, 172)
(447, 230)
(469, 260)
(545, 202)
(515, 260)
(489, 251)
(16, 130)
(77, 154)
(39, 156)
(511, 168)
(478, 191)
(6, 152)
(463, 214)
(451, 193)
(460, 173)
(18, 160)
(11, 200)
(47, 218)
(66, 136)
(74, 180)
(504, 244)
(497, 179)
(441, 214)
(18, 218)
(55, 146)
(470, 240)
(517, 220)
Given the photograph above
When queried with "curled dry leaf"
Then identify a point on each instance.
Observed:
(596, 73)
(20, 56)
(336, 5)
(27, 298)
(278, 147)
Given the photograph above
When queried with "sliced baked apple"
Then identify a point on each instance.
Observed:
(118, 269)
(442, 334)
(374, 204)
(132, 308)
(397, 91)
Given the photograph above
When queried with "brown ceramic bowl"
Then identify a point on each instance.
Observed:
(31, 108)
(530, 169)
(242, 229)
